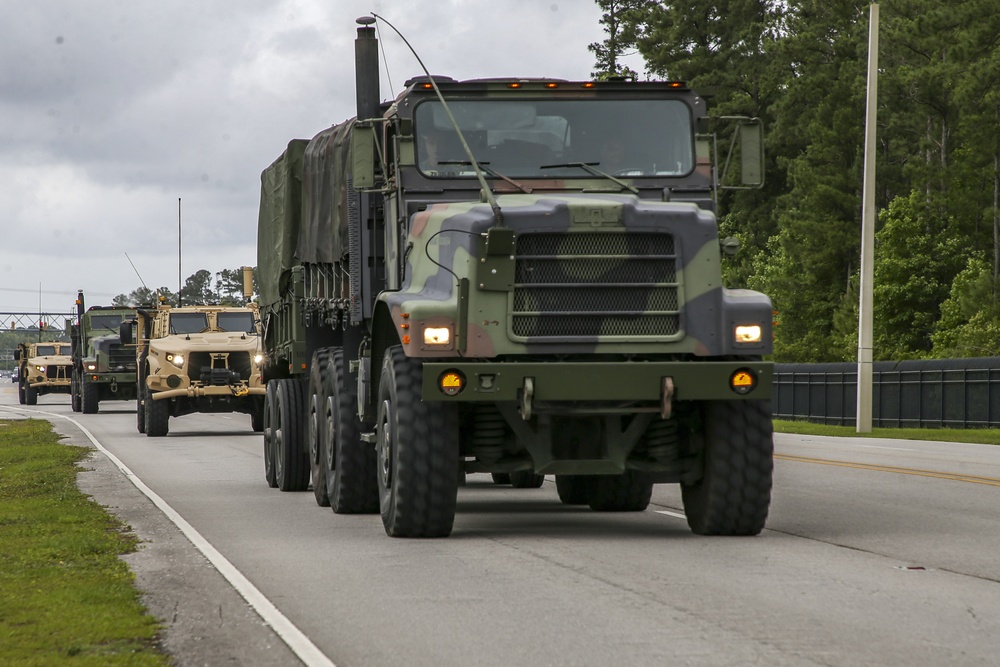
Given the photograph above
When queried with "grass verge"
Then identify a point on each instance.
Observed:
(984, 436)
(65, 596)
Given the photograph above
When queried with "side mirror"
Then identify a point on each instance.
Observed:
(125, 332)
(17, 355)
(363, 156)
(752, 153)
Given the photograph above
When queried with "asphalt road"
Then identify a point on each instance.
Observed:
(876, 552)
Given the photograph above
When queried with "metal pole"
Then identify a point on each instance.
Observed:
(178, 251)
(864, 407)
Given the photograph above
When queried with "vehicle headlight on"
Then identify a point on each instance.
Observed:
(91, 366)
(40, 369)
(176, 359)
(258, 358)
(437, 336)
(748, 333)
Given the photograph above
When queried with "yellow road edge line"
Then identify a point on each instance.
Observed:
(973, 479)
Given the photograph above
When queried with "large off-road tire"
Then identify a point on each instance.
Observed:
(575, 489)
(734, 494)
(501, 477)
(21, 397)
(270, 403)
(349, 464)
(525, 479)
(628, 492)
(30, 395)
(90, 398)
(417, 453)
(291, 459)
(157, 415)
(316, 423)
(140, 407)
(74, 392)
(257, 414)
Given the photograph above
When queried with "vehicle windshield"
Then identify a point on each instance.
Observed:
(235, 321)
(547, 138)
(188, 323)
(102, 322)
(45, 350)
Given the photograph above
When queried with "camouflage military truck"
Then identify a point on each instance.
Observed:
(524, 281)
(103, 368)
(197, 359)
(42, 368)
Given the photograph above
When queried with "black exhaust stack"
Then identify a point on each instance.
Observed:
(366, 69)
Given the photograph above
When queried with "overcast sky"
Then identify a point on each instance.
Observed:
(112, 110)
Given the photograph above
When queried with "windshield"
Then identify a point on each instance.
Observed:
(188, 323)
(109, 322)
(45, 350)
(542, 138)
(236, 321)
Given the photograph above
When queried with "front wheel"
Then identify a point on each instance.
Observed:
(21, 395)
(417, 453)
(269, 420)
(734, 493)
(90, 398)
(74, 392)
(157, 415)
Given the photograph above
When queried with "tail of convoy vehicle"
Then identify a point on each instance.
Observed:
(43, 368)
(524, 281)
(196, 359)
(104, 368)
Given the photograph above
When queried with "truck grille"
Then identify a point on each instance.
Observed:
(607, 284)
(201, 366)
(57, 371)
(121, 358)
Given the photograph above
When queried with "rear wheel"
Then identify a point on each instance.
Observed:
(269, 421)
(734, 494)
(628, 492)
(501, 478)
(291, 460)
(74, 392)
(316, 398)
(157, 415)
(417, 453)
(525, 479)
(575, 489)
(350, 464)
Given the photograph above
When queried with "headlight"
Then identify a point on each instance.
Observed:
(258, 358)
(91, 366)
(176, 359)
(437, 336)
(748, 333)
(40, 369)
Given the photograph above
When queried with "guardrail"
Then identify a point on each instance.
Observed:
(952, 393)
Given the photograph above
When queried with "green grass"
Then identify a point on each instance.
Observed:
(984, 436)
(65, 596)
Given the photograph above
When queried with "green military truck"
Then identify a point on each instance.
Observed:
(104, 368)
(42, 368)
(516, 277)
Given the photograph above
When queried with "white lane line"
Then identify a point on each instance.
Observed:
(673, 514)
(296, 640)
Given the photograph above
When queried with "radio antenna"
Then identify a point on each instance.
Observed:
(137, 272)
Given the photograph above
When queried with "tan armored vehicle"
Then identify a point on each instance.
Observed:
(43, 368)
(197, 359)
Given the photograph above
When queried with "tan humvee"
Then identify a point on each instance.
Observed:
(198, 359)
(43, 368)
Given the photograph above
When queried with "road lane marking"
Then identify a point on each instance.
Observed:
(958, 477)
(296, 640)
(673, 514)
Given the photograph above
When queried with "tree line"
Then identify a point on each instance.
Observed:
(800, 66)
(201, 288)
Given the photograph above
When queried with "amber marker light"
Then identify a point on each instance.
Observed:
(587, 84)
(743, 381)
(552, 84)
(514, 84)
(451, 383)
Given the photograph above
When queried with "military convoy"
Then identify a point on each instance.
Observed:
(104, 368)
(42, 368)
(465, 279)
(196, 359)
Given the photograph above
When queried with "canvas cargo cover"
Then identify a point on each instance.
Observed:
(278, 221)
(325, 188)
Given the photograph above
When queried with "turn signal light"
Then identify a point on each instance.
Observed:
(451, 383)
(743, 381)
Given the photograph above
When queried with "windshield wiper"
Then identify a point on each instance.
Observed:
(485, 166)
(590, 168)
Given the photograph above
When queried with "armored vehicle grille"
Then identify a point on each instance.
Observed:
(57, 371)
(607, 284)
(121, 359)
(202, 364)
